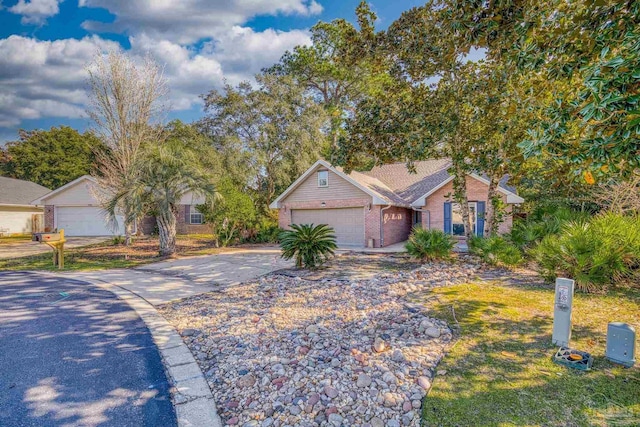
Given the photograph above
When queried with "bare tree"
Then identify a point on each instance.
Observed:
(126, 107)
(620, 195)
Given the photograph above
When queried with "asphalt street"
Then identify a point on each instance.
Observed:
(72, 354)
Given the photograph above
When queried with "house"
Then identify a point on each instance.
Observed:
(17, 214)
(75, 207)
(380, 207)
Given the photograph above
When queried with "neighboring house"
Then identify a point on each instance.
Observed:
(380, 207)
(75, 207)
(17, 214)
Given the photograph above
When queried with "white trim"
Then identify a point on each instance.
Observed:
(40, 200)
(326, 179)
(377, 200)
(512, 198)
(9, 205)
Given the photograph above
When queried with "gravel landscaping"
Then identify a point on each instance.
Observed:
(289, 351)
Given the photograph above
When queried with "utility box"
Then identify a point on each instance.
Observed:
(562, 307)
(621, 344)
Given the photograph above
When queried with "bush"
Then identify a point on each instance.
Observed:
(428, 245)
(594, 253)
(496, 250)
(542, 222)
(310, 245)
(266, 231)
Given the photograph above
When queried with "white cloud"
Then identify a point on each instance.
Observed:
(35, 11)
(44, 78)
(48, 78)
(187, 21)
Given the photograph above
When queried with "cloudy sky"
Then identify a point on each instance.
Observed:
(46, 44)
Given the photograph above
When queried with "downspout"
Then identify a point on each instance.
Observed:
(382, 225)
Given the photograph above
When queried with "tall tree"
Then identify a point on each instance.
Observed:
(165, 173)
(127, 111)
(337, 69)
(587, 53)
(271, 133)
(50, 158)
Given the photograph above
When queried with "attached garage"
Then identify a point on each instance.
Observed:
(348, 223)
(86, 221)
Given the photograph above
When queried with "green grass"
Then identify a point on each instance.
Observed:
(500, 373)
(15, 239)
(84, 258)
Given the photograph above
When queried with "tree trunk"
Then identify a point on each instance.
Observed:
(167, 231)
(490, 225)
(460, 196)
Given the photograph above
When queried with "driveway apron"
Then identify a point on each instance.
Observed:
(73, 354)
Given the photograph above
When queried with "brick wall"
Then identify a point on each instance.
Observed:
(372, 226)
(49, 221)
(397, 224)
(183, 226)
(477, 191)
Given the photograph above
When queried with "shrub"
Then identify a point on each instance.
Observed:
(496, 250)
(310, 245)
(428, 245)
(266, 231)
(542, 222)
(594, 253)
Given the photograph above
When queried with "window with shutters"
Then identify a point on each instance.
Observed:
(195, 217)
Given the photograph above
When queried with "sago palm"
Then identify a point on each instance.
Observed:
(310, 245)
(165, 173)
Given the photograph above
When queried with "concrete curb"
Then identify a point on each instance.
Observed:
(192, 399)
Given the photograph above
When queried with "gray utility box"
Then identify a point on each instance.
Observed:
(621, 344)
(562, 307)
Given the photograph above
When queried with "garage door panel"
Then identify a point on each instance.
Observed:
(348, 223)
(86, 221)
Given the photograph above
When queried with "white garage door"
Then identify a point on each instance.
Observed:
(86, 221)
(348, 223)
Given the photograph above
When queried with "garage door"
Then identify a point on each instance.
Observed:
(86, 221)
(348, 223)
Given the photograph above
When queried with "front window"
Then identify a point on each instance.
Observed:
(195, 217)
(323, 178)
(457, 225)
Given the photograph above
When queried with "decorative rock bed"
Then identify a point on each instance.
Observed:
(285, 351)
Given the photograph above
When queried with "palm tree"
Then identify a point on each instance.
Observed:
(165, 173)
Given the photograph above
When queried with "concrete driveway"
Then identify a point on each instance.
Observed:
(26, 248)
(223, 269)
(172, 280)
(74, 354)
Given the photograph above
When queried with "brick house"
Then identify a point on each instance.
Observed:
(380, 207)
(76, 208)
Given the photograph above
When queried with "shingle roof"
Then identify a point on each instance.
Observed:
(394, 182)
(19, 192)
(409, 186)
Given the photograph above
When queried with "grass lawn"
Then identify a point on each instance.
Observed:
(500, 373)
(110, 255)
(15, 239)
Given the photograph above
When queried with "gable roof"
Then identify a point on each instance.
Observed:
(19, 192)
(393, 184)
(377, 196)
(41, 199)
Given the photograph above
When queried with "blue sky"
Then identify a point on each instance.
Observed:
(46, 44)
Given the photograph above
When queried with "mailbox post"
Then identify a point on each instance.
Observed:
(562, 312)
(56, 242)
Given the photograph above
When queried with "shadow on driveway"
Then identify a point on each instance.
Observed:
(73, 354)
